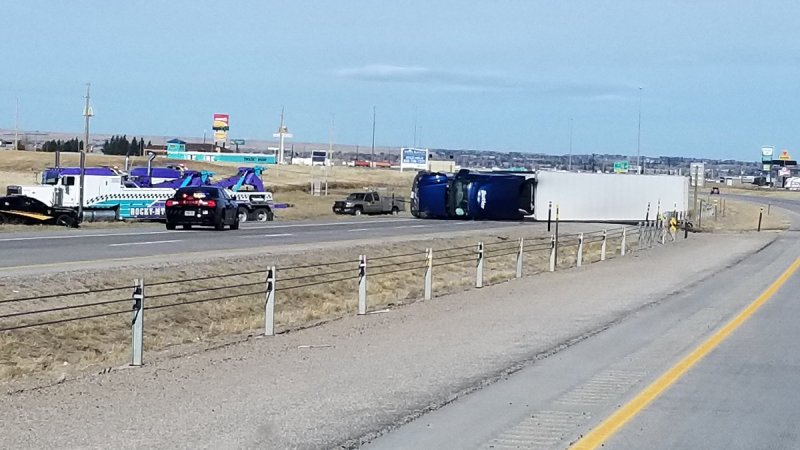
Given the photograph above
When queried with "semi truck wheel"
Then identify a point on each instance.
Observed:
(243, 213)
(262, 215)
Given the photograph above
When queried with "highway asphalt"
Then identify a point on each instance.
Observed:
(22, 249)
(742, 394)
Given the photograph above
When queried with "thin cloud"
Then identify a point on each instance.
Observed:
(450, 79)
(473, 81)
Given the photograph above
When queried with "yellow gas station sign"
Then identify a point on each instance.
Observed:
(784, 156)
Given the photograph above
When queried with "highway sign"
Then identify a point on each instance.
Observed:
(237, 141)
(621, 167)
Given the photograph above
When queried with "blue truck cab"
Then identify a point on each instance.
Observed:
(490, 196)
(473, 195)
(428, 195)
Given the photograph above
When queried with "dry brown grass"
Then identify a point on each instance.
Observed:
(739, 216)
(102, 342)
(290, 184)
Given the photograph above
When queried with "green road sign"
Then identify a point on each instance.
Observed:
(621, 167)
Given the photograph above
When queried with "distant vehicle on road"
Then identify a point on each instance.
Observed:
(28, 210)
(370, 202)
(714, 190)
(203, 206)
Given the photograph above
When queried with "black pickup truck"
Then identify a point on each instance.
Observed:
(369, 203)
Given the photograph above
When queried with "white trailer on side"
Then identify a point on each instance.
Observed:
(601, 197)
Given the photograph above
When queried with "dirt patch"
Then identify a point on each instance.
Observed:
(726, 215)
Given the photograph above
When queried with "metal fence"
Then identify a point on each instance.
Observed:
(267, 285)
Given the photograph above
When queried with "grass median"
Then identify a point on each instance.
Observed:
(210, 302)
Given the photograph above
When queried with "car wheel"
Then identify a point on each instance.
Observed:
(395, 210)
(170, 226)
(64, 220)
(242, 213)
(235, 224)
(220, 224)
(262, 215)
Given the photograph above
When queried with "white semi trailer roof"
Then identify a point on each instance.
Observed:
(601, 197)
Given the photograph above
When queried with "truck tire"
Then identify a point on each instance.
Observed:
(243, 214)
(263, 215)
(395, 210)
(170, 226)
(64, 220)
(357, 211)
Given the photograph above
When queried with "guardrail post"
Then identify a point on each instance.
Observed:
(603, 246)
(137, 324)
(579, 258)
(428, 273)
(640, 238)
(519, 257)
(624, 236)
(479, 270)
(269, 306)
(652, 233)
(362, 285)
(552, 253)
(663, 233)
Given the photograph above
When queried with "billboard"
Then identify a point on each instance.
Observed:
(220, 136)
(221, 122)
(319, 157)
(414, 158)
(697, 173)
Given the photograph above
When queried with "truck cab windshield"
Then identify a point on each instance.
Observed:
(458, 198)
(49, 179)
(356, 197)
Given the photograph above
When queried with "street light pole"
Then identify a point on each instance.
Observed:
(372, 159)
(639, 136)
(569, 167)
(87, 112)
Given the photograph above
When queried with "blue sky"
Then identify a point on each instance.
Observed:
(719, 78)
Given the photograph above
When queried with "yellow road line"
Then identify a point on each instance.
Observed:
(613, 423)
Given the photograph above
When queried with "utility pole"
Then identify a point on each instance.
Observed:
(639, 136)
(569, 167)
(87, 113)
(415, 126)
(372, 160)
(16, 127)
(696, 182)
(330, 137)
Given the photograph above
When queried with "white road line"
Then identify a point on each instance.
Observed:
(328, 224)
(417, 226)
(267, 235)
(38, 238)
(145, 243)
(244, 227)
(357, 229)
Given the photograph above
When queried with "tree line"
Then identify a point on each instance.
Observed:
(117, 145)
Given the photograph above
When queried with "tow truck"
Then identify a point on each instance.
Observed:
(109, 194)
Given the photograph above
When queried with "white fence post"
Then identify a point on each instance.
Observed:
(640, 239)
(652, 240)
(579, 258)
(603, 246)
(269, 306)
(429, 274)
(137, 324)
(479, 270)
(622, 245)
(519, 257)
(553, 253)
(362, 285)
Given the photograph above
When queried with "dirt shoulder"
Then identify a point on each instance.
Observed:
(329, 385)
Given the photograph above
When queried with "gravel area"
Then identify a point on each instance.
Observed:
(362, 375)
